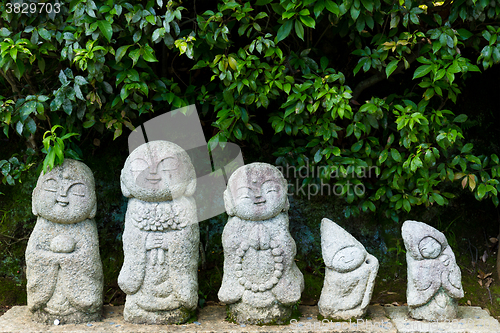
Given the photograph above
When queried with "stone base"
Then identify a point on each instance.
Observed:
(440, 307)
(243, 313)
(469, 319)
(134, 314)
(211, 319)
(41, 316)
(343, 314)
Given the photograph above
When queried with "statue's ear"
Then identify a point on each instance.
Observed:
(287, 205)
(228, 203)
(34, 196)
(124, 187)
(93, 212)
(190, 188)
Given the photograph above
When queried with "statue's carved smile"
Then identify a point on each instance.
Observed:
(153, 180)
(62, 203)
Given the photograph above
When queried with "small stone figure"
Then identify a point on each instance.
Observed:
(349, 274)
(63, 266)
(434, 278)
(161, 236)
(261, 281)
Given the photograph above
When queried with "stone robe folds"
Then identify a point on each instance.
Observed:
(54, 279)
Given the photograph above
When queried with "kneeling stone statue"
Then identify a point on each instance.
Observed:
(63, 266)
(349, 274)
(434, 278)
(261, 281)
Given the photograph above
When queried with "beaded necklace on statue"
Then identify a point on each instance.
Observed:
(259, 240)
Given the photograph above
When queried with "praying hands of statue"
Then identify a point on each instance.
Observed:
(157, 246)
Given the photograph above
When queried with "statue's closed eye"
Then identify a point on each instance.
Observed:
(138, 165)
(77, 189)
(50, 185)
(168, 164)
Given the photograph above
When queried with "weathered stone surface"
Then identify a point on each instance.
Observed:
(470, 319)
(161, 236)
(210, 319)
(63, 266)
(349, 275)
(261, 280)
(434, 278)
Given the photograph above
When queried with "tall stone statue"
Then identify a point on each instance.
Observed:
(261, 281)
(161, 236)
(434, 278)
(63, 266)
(349, 275)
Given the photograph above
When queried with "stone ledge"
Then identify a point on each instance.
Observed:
(212, 319)
(471, 319)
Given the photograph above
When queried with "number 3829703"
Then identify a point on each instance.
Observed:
(33, 8)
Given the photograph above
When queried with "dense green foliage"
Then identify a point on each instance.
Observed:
(302, 69)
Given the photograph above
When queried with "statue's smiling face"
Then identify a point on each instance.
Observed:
(429, 248)
(257, 194)
(348, 259)
(152, 174)
(63, 196)
(157, 171)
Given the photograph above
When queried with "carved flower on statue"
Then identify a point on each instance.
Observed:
(151, 216)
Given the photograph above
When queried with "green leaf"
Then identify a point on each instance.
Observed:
(467, 148)
(308, 21)
(460, 118)
(122, 50)
(4, 32)
(45, 34)
(78, 92)
(63, 79)
(318, 156)
(465, 33)
(41, 65)
(422, 70)
(147, 54)
(332, 7)
(228, 97)
(481, 190)
(284, 30)
(438, 198)
(395, 155)
(357, 146)
(299, 29)
(106, 29)
(383, 156)
(80, 80)
(391, 67)
(368, 4)
(31, 125)
(134, 55)
(406, 205)
(19, 128)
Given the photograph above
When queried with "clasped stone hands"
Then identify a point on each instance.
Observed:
(156, 244)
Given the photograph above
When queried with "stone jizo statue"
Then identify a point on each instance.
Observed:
(63, 265)
(261, 281)
(434, 278)
(349, 275)
(161, 236)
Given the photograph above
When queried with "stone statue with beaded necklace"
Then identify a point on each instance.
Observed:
(261, 281)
